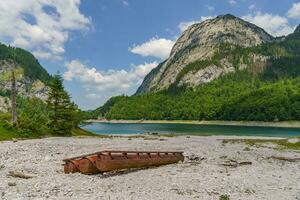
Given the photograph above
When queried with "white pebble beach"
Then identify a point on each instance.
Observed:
(200, 178)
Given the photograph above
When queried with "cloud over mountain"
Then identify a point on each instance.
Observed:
(156, 47)
(274, 24)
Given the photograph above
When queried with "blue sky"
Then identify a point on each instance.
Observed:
(105, 47)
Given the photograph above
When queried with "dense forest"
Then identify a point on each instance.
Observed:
(224, 99)
(260, 94)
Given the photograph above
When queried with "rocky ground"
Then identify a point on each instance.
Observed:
(201, 176)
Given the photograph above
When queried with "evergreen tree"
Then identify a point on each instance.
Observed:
(33, 116)
(62, 110)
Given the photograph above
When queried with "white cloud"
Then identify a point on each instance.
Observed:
(156, 47)
(184, 25)
(41, 26)
(273, 24)
(93, 96)
(232, 2)
(294, 12)
(125, 3)
(252, 7)
(210, 8)
(107, 83)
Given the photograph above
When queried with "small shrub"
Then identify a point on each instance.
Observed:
(224, 197)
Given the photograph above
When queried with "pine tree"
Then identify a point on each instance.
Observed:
(62, 110)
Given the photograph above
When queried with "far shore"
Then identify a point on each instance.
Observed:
(283, 124)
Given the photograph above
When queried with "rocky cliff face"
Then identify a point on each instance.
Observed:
(198, 56)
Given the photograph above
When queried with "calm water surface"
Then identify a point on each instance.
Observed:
(190, 129)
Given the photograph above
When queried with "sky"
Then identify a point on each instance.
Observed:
(104, 48)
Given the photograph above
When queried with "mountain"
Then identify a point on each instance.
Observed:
(32, 78)
(221, 69)
(198, 57)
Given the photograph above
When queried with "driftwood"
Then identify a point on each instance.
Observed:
(193, 159)
(245, 163)
(20, 175)
(286, 158)
(234, 163)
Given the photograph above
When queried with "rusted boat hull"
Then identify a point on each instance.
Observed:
(71, 166)
(87, 165)
(107, 161)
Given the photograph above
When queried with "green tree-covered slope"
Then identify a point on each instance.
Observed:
(31, 66)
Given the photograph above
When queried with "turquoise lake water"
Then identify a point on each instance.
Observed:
(189, 129)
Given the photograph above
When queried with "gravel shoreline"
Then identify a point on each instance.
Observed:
(200, 176)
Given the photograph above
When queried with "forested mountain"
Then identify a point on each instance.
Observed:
(30, 65)
(32, 79)
(221, 69)
(207, 51)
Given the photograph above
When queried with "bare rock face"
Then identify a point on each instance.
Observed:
(204, 75)
(201, 42)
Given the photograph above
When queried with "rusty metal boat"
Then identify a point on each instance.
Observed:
(107, 161)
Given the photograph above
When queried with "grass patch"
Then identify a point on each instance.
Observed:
(224, 197)
(10, 134)
(283, 144)
(6, 134)
(289, 145)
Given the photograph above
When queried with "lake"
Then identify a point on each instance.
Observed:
(189, 129)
